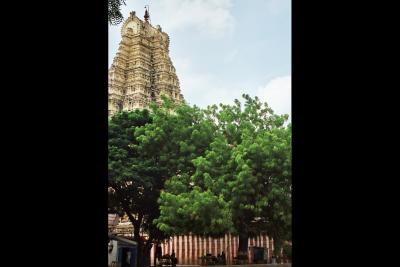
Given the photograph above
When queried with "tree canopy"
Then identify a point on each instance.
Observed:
(242, 181)
(134, 180)
(145, 151)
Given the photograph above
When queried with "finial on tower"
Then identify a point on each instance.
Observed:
(133, 13)
(146, 13)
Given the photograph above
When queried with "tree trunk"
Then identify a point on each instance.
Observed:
(146, 255)
(243, 243)
(155, 253)
(136, 237)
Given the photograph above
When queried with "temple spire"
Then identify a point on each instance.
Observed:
(146, 13)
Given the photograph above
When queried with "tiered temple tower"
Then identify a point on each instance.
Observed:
(142, 70)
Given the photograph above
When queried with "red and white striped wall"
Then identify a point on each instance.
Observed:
(189, 248)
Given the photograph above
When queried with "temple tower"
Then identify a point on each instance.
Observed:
(142, 70)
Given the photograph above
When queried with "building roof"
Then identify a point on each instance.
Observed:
(122, 239)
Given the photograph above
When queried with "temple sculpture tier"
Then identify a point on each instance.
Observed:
(142, 70)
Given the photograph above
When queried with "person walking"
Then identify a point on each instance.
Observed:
(174, 260)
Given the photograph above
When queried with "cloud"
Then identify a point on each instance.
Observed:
(183, 64)
(212, 18)
(278, 94)
(203, 89)
(231, 56)
(208, 17)
(275, 7)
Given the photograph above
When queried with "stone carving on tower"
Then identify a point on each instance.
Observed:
(142, 70)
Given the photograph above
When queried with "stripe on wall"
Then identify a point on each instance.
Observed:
(187, 250)
(262, 241)
(190, 254)
(183, 250)
(175, 248)
(204, 247)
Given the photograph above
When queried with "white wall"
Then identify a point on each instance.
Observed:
(113, 255)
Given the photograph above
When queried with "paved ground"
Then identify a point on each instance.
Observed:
(243, 265)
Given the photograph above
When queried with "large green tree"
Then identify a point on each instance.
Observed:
(242, 181)
(134, 180)
(146, 150)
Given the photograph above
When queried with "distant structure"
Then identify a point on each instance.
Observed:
(142, 70)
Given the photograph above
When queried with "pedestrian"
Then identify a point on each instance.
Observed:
(174, 260)
(158, 251)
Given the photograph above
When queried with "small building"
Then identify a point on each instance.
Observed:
(122, 252)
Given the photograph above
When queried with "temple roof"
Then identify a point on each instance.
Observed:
(113, 220)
